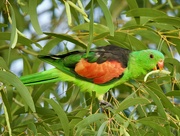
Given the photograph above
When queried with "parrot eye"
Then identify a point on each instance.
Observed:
(151, 56)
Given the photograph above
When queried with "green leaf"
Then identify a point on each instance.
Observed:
(14, 35)
(69, 38)
(61, 115)
(3, 64)
(78, 117)
(173, 93)
(68, 12)
(155, 89)
(7, 120)
(107, 15)
(155, 1)
(3, 25)
(132, 4)
(87, 121)
(77, 8)
(131, 102)
(6, 105)
(33, 129)
(91, 27)
(145, 12)
(40, 90)
(156, 100)
(98, 28)
(42, 130)
(49, 45)
(102, 128)
(157, 123)
(125, 40)
(21, 39)
(9, 78)
(174, 21)
(34, 16)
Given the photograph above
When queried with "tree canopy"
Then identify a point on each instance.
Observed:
(39, 27)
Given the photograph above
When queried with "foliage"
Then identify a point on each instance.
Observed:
(140, 108)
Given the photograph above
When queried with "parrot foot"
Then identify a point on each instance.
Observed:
(105, 104)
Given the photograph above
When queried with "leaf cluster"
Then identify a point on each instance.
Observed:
(150, 108)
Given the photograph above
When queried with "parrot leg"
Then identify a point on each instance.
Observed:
(104, 104)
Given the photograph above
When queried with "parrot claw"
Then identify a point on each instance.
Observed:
(105, 104)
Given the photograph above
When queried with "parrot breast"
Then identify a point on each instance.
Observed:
(100, 73)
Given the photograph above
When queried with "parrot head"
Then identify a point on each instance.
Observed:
(143, 61)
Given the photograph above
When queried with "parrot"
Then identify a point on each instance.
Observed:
(99, 70)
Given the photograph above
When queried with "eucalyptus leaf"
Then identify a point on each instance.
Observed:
(131, 102)
(34, 16)
(11, 79)
(69, 38)
(145, 12)
(61, 115)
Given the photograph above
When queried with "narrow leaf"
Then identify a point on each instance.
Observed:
(173, 93)
(155, 124)
(6, 104)
(3, 64)
(88, 120)
(102, 128)
(145, 12)
(107, 15)
(7, 120)
(61, 115)
(14, 35)
(157, 101)
(68, 13)
(9, 78)
(21, 39)
(174, 21)
(132, 4)
(154, 89)
(3, 25)
(91, 27)
(98, 28)
(34, 16)
(33, 129)
(68, 38)
(131, 102)
(77, 8)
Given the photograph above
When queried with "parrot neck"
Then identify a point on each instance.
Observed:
(131, 72)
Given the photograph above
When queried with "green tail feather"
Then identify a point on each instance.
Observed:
(41, 77)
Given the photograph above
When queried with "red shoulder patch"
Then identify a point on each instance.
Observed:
(100, 73)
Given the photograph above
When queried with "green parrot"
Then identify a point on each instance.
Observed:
(99, 70)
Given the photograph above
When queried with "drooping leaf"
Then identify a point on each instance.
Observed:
(11, 79)
(61, 115)
(14, 35)
(69, 38)
(131, 102)
(87, 121)
(145, 12)
(157, 123)
(34, 16)
(107, 16)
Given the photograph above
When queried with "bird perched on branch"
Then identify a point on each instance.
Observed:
(99, 70)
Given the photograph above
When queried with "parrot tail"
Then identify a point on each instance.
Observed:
(41, 77)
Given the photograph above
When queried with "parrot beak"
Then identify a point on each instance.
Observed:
(160, 65)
